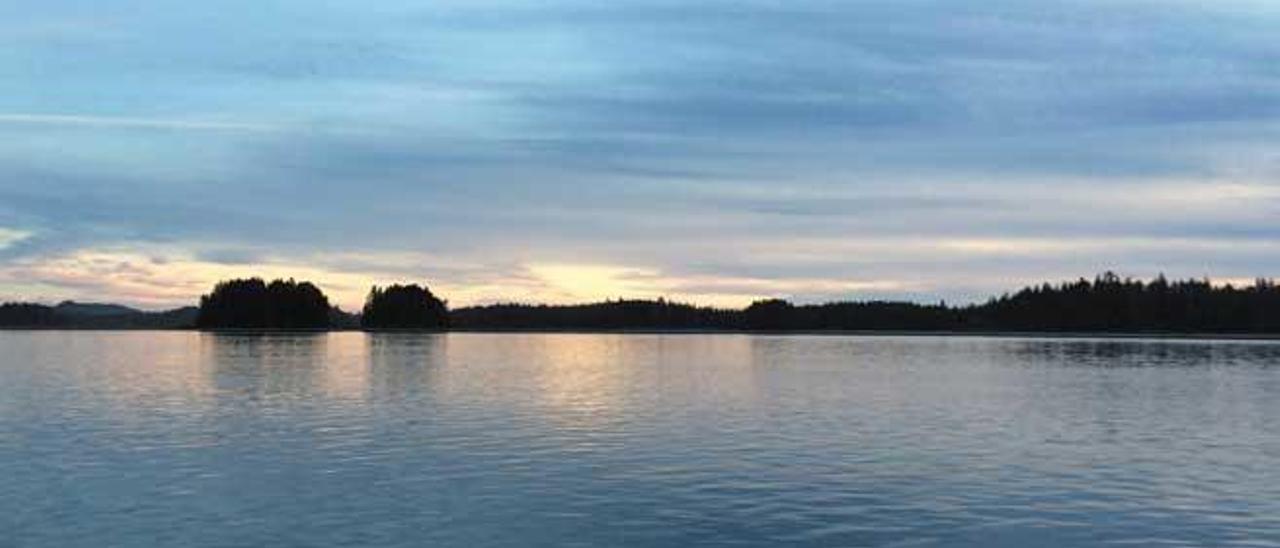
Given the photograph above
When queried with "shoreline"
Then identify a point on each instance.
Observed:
(1081, 335)
(892, 333)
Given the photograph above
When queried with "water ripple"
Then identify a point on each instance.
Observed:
(139, 439)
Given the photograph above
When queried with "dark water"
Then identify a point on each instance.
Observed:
(184, 439)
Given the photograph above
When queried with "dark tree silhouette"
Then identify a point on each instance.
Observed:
(767, 315)
(623, 314)
(771, 315)
(1108, 304)
(254, 304)
(92, 316)
(1112, 304)
(404, 307)
(28, 315)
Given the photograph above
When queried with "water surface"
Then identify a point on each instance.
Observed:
(202, 440)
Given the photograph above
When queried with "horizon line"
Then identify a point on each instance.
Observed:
(1217, 283)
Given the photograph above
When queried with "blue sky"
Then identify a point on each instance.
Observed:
(570, 150)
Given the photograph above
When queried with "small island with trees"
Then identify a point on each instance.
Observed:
(251, 303)
(1108, 304)
(404, 307)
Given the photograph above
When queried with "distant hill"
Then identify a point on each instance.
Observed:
(72, 308)
(343, 320)
(72, 315)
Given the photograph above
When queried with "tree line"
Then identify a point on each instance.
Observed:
(1107, 303)
(622, 314)
(1112, 304)
(28, 315)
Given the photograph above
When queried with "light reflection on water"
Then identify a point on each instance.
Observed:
(144, 439)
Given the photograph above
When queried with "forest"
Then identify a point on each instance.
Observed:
(1105, 304)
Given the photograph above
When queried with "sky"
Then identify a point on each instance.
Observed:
(574, 150)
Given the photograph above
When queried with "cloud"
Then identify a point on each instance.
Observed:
(130, 123)
(721, 150)
(9, 237)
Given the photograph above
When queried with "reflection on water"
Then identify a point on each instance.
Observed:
(1149, 353)
(143, 439)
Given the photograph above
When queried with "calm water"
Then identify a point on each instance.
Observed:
(185, 439)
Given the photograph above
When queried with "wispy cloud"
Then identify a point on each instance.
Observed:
(172, 124)
(9, 236)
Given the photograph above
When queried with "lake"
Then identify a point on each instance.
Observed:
(130, 439)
